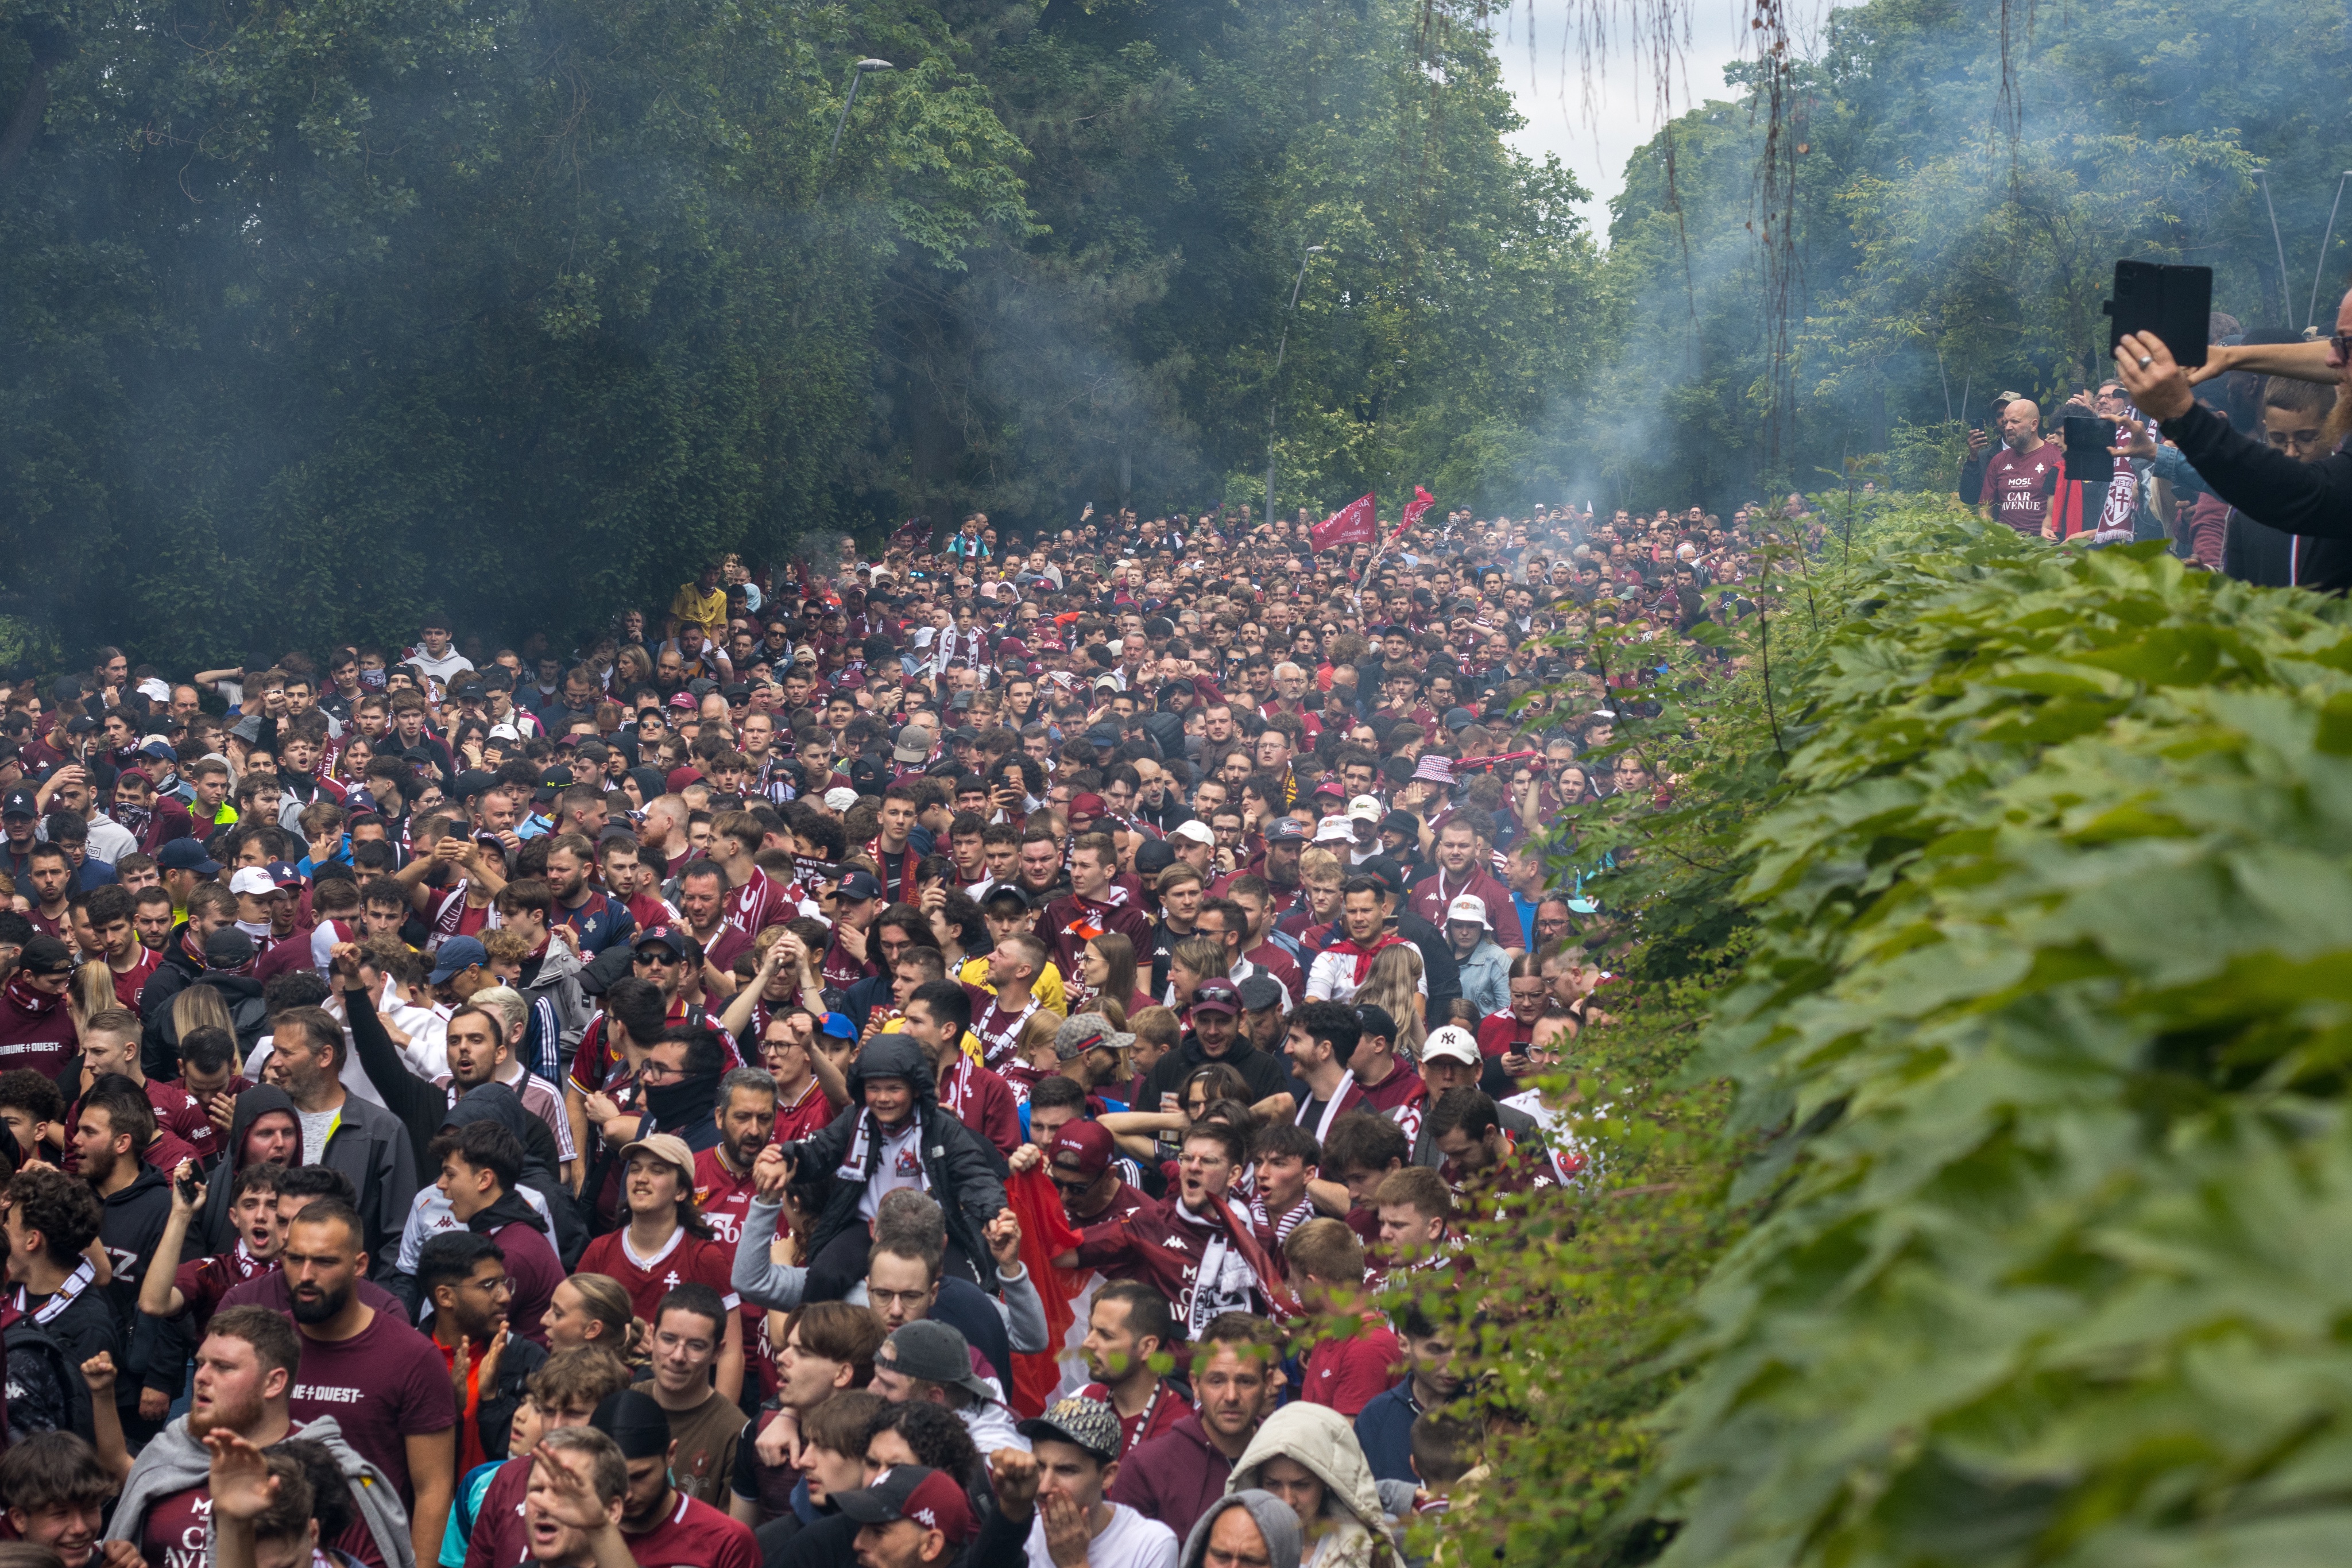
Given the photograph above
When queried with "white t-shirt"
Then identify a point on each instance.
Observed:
(1130, 1541)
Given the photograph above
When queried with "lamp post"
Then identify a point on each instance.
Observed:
(856, 75)
(2286, 305)
(1274, 391)
(2310, 311)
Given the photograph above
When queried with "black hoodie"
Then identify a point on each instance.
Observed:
(130, 1226)
(212, 1229)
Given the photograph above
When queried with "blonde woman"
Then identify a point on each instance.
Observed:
(1394, 984)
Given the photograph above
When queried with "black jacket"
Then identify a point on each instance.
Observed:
(213, 1228)
(963, 1170)
(2312, 499)
(133, 1222)
(370, 1146)
(159, 1040)
(1263, 1072)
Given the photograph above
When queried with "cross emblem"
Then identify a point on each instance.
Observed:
(671, 1280)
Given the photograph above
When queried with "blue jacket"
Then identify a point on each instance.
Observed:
(1384, 1430)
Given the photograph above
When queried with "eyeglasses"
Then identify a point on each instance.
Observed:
(658, 959)
(2339, 345)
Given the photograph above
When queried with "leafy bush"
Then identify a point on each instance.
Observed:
(2022, 1229)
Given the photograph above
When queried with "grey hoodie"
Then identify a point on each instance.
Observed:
(1275, 1521)
(1318, 1437)
(175, 1460)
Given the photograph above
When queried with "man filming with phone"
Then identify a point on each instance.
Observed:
(2310, 498)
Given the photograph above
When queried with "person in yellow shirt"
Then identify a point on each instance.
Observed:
(703, 602)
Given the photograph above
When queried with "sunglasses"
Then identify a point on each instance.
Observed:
(658, 959)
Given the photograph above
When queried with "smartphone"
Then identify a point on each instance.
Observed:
(187, 1185)
(2171, 302)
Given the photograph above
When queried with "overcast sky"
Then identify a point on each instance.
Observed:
(1595, 135)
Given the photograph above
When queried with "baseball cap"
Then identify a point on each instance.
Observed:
(228, 948)
(18, 803)
(283, 874)
(1386, 872)
(1453, 1043)
(680, 778)
(1400, 822)
(1258, 993)
(251, 879)
(841, 798)
(858, 886)
(1468, 908)
(1364, 808)
(1375, 1021)
(667, 1147)
(1082, 1149)
(906, 1491)
(1459, 718)
(838, 1026)
(472, 783)
(1329, 785)
(1086, 803)
(932, 1350)
(914, 744)
(1153, 856)
(1217, 997)
(651, 936)
(47, 954)
(1194, 832)
(1082, 1032)
(186, 854)
(1335, 830)
(1285, 830)
(1088, 1424)
(634, 1422)
(455, 957)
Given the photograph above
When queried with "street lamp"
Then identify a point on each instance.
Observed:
(2286, 306)
(2311, 309)
(857, 74)
(1274, 391)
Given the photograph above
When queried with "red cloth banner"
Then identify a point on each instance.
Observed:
(1421, 501)
(1357, 523)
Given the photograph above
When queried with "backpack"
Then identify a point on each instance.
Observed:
(45, 1390)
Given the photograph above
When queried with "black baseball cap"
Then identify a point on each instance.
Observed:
(636, 1422)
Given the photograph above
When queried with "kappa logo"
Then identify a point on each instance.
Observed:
(930, 1519)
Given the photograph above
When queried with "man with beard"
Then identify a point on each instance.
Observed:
(463, 1276)
(243, 1377)
(114, 1124)
(1127, 1326)
(723, 1187)
(365, 1142)
(370, 1371)
(1177, 1476)
(601, 920)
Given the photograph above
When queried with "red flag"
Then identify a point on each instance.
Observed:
(914, 534)
(1357, 523)
(1421, 501)
(1046, 1234)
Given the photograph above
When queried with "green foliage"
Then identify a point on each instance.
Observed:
(2019, 1228)
(312, 318)
(1953, 231)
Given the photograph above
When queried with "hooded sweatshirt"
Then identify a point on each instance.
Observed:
(540, 1193)
(1275, 1521)
(214, 1226)
(130, 1222)
(1349, 1533)
(175, 1460)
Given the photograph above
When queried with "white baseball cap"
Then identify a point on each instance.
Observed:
(1196, 831)
(1365, 809)
(1335, 830)
(841, 799)
(1468, 908)
(1453, 1043)
(254, 880)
